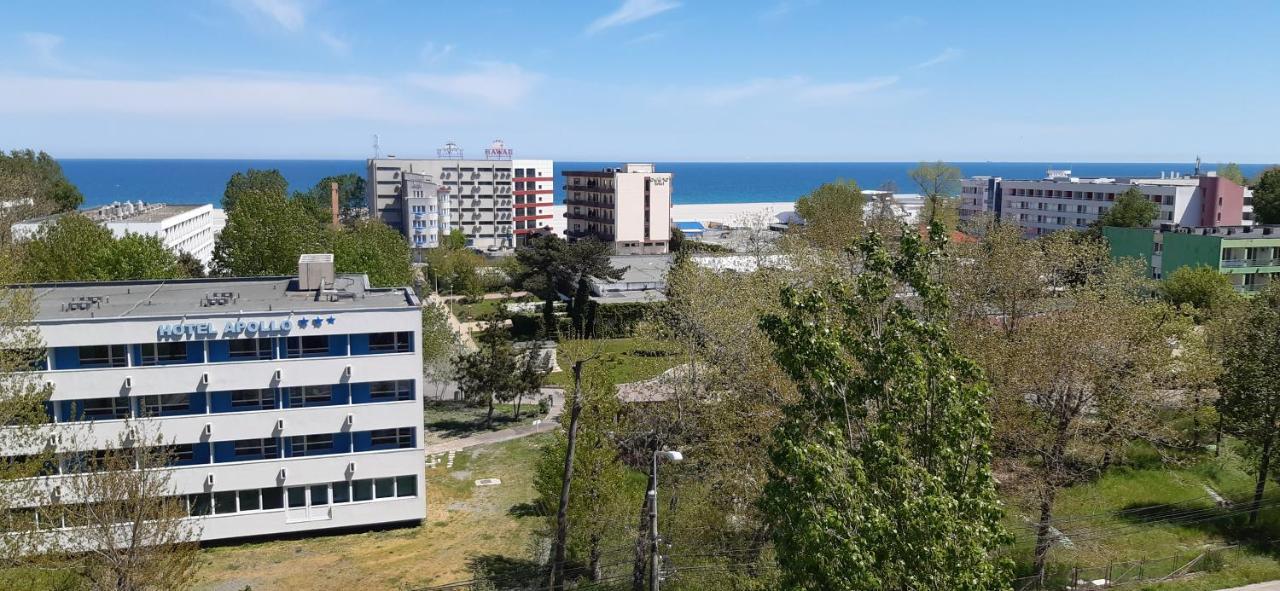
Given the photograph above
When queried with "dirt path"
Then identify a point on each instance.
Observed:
(544, 424)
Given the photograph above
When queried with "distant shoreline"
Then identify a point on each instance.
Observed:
(758, 214)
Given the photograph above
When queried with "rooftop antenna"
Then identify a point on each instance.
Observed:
(1197, 165)
(377, 150)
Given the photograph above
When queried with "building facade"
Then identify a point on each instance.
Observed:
(183, 228)
(629, 207)
(495, 202)
(1061, 201)
(292, 404)
(1248, 255)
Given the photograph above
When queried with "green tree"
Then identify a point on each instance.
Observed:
(74, 248)
(1201, 287)
(191, 266)
(489, 373)
(881, 474)
(269, 182)
(939, 183)
(551, 266)
(832, 214)
(454, 240)
(1131, 209)
(351, 197)
(265, 234)
(454, 271)
(1266, 196)
(37, 176)
(1249, 400)
(1231, 171)
(135, 256)
(373, 248)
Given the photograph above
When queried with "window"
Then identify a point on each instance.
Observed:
(262, 399)
(385, 342)
(249, 500)
(105, 408)
(183, 452)
(310, 396)
(272, 498)
(406, 486)
(257, 448)
(308, 346)
(104, 356)
(251, 349)
(341, 492)
(388, 391)
(297, 496)
(163, 353)
(384, 487)
(199, 504)
(224, 502)
(392, 438)
(362, 490)
(162, 404)
(319, 494)
(309, 445)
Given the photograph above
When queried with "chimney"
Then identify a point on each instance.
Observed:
(314, 271)
(333, 202)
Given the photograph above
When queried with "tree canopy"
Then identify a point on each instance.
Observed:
(1131, 210)
(1231, 171)
(1201, 287)
(27, 174)
(265, 233)
(938, 183)
(1266, 197)
(269, 182)
(75, 248)
(832, 214)
(373, 248)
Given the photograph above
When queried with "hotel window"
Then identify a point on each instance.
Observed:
(391, 391)
(162, 404)
(362, 490)
(163, 353)
(104, 356)
(392, 438)
(406, 486)
(310, 396)
(199, 504)
(310, 445)
(1168, 200)
(224, 502)
(182, 452)
(116, 407)
(257, 448)
(261, 399)
(384, 487)
(251, 349)
(250, 500)
(398, 342)
(308, 346)
(272, 498)
(297, 496)
(341, 492)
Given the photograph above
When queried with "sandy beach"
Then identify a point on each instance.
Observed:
(733, 214)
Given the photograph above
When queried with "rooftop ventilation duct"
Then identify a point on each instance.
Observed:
(315, 271)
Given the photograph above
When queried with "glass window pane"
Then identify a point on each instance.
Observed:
(341, 492)
(384, 487)
(199, 504)
(362, 489)
(272, 498)
(297, 496)
(319, 494)
(224, 502)
(249, 500)
(406, 486)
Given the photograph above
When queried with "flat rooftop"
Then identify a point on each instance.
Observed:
(148, 214)
(249, 295)
(1271, 231)
(159, 214)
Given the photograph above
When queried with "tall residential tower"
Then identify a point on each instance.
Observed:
(629, 207)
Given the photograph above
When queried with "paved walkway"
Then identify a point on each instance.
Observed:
(490, 296)
(545, 424)
(1268, 586)
(464, 335)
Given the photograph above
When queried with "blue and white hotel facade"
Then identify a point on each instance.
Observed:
(293, 404)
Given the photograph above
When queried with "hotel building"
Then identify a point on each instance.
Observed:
(496, 202)
(1060, 201)
(629, 207)
(1248, 255)
(183, 228)
(293, 404)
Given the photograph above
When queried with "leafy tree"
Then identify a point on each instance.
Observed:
(269, 182)
(135, 256)
(454, 270)
(191, 266)
(1201, 287)
(532, 373)
(351, 197)
(74, 248)
(881, 474)
(373, 248)
(832, 214)
(1249, 401)
(1266, 196)
(551, 265)
(489, 373)
(939, 182)
(439, 342)
(677, 240)
(454, 240)
(1131, 210)
(1231, 171)
(265, 232)
(26, 174)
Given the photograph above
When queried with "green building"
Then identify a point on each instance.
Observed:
(1249, 255)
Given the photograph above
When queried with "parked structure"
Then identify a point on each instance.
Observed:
(183, 228)
(495, 201)
(294, 403)
(629, 207)
(1249, 255)
(1061, 201)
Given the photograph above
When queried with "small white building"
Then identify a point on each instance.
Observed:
(183, 228)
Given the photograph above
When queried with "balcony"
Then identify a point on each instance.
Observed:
(1258, 262)
(589, 217)
(585, 202)
(589, 188)
(588, 234)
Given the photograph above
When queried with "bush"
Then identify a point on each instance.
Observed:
(526, 327)
(620, 320)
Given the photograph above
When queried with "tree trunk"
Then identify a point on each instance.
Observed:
(1217, 439)
(1195, 421)
(1042, 532)
(488, 417)
(562, 514)
(594, 561)
(519, 399)
(1264, 465)
(638, 571)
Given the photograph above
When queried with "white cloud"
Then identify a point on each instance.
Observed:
(947, 55)
(44, 49)
(794, 88)
(631, 11)
(431, 53)
(334, 43)
(290, 15)
(496, 84)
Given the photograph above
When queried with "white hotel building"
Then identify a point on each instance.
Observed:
(629, 207)
(292, 404)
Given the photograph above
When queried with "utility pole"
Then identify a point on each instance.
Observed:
(655, 558)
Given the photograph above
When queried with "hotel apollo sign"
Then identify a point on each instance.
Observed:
(238, 328)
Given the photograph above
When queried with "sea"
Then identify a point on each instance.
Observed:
(103, 181)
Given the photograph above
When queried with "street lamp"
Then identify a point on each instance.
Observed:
(654, 559)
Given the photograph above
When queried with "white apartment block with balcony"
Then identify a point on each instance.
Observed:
(482, 194)
(628, 206)
(182, 228)
(290, 404)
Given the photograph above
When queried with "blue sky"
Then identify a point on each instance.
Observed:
(710, 80)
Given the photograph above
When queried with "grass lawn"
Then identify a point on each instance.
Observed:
(484, 308)
(448, 419)
(626, 360)
(1107, 523)
(464, 522)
